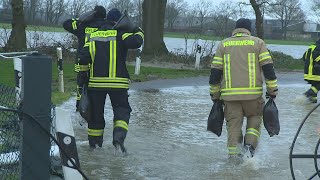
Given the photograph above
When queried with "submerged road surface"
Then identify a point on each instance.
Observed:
(167, 136)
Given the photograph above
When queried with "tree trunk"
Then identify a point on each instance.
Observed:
(259, 18)
(153, 24)
(17, 39)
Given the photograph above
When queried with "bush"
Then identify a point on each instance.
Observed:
(282, 61)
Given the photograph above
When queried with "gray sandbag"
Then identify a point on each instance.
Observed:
(216, 117)
(124, 23)
(84, 104)
(271, 118)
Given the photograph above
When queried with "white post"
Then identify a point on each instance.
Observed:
(65, 136)
(198, 55)
(60, 69)
(138, 63)
(17, 65)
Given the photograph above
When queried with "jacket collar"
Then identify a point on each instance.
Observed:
(241, 31)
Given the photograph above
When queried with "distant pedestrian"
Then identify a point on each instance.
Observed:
(236, 79)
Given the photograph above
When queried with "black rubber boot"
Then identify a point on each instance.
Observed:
(248, 151)
(95, 141)
(311, 95)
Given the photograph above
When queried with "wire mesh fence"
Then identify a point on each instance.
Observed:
(10, 137)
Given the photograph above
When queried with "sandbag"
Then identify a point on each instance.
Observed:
(84, 104)
(271, 118)
(216, 117)
(124, 23)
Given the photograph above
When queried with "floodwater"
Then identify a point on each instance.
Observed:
(175, 45)
(167, 136)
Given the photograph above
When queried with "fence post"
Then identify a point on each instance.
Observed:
(138, 62)
(17, 65)
(60, 69)
(35, 101)
(65, 136)
(198, 55)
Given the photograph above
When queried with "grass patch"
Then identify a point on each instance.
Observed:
(285, 62)
(7, 72)
(37, 28)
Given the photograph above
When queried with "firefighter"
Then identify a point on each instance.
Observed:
(106, 74)
(312, 70)
(236, 79)
(82, 27)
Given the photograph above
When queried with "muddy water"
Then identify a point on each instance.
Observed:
(167, 136)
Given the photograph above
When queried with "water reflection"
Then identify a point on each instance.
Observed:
(167, 139)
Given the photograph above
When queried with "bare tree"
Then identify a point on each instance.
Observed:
(173, 10)
(190, 16)
(203, 11)
(122, 5)
(257, 6)
(17, 39)
(31, 9)
(59, 10)
(78, 7)
(222, 14)
(137, 11)
(153, 24)
(287, 11)
(315, 8)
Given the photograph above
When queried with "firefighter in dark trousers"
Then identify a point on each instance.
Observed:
(236, 79)
(105, 54)
(312, 71)
(82, 27)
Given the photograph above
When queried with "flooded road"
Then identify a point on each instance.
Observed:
(167, 136)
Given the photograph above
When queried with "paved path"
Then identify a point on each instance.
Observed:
(283, 78)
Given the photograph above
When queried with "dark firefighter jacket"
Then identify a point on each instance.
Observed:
(104, 57)
(311, 62)
(82, 31)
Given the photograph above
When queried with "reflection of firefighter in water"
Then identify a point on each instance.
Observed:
(236, 77)
(81, 28)
(311, 60)
(103, 60)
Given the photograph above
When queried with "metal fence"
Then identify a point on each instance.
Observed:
(9, 135)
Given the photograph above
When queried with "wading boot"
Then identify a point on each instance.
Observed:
(311, 95)
(235, 159)
(248, 151)
(119, 150)
(95, 141)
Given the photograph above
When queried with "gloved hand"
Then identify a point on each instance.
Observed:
(269, 95)
(83, 78)
(214, 97)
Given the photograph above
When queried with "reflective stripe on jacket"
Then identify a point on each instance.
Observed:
(104, 55)
(312, 64)
(241, 57)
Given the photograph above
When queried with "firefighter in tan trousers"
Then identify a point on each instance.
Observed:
(236, 79)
